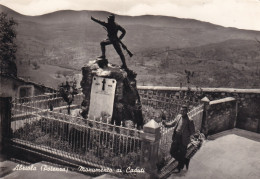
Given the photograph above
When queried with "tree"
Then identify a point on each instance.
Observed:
(67, 92)
(35, 65)
(58, 73)
(8, 46)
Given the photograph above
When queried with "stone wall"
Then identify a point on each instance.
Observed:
(221, 115)
(248, 116)
(248, 101)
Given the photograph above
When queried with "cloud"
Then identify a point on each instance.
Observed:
(38, 7)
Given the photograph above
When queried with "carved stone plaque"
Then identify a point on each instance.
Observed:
(102, 97)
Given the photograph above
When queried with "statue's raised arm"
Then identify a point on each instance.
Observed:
(98, 21)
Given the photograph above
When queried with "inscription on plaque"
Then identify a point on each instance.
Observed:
(102, 96)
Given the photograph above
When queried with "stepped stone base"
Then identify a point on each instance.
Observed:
(127, 105)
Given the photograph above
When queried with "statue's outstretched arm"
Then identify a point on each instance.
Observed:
(98, 21)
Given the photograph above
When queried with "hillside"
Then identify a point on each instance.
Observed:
(163, 47)
(232, 63)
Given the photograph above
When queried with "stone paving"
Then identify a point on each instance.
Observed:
(227, 155)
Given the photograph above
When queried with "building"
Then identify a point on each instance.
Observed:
(15, 87)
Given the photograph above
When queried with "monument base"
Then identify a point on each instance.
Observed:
(102, 63)
(127, 105)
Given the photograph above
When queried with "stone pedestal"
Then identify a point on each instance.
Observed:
(204, 125)
(150, 138)
(127, 105)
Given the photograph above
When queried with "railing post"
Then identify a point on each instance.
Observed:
(5, 122)
(204, 125)
(150, 140)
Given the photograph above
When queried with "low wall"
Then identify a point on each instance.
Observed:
(248, 101)
(221, 115)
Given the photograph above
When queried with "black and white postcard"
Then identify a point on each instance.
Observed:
(129, 89)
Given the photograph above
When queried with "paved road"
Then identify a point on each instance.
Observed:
(233, 154)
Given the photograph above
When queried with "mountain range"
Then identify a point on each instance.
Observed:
(164, 47)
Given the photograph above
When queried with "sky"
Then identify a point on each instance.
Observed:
(243, 14)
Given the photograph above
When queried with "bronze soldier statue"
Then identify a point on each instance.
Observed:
(112, 29)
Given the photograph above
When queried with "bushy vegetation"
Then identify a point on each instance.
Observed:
(35, 66)
(90, 143)
(8, 45)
